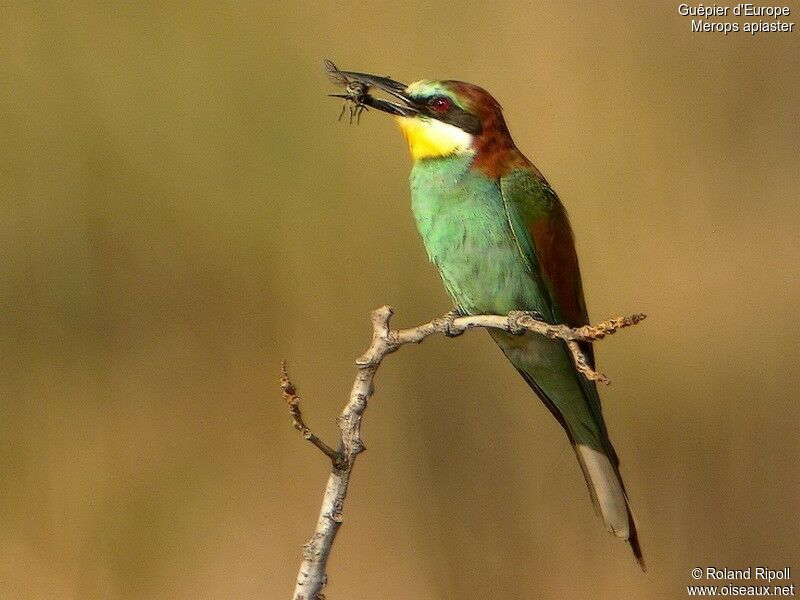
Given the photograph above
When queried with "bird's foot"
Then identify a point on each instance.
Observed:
(447, 324)
(514, 317)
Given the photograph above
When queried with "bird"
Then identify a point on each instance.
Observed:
(501, 240)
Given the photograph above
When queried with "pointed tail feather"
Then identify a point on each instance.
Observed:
(609, 497)
(602, 477)
(606, 489)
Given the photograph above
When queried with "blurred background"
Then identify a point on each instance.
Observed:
(182, 210)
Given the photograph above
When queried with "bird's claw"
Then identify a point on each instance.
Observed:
(447, 323)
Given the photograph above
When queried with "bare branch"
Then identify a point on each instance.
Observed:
(312, 577)
(582, 364)
(293, 402)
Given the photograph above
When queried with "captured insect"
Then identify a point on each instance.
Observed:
(358, 99)
(354, 95)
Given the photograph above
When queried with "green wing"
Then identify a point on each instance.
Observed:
(544, 239)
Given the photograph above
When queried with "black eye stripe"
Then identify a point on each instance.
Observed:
(463, 120)
(454, 115)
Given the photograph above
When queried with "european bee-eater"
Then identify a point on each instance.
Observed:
(501, 240)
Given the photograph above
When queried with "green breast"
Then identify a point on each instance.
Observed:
(461, 216)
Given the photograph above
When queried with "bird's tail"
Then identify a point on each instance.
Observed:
(608, 494)
(600, 467)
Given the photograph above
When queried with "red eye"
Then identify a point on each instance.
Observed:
(440, 104)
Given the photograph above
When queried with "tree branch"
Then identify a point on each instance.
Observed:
(293, 402)
(312, 577)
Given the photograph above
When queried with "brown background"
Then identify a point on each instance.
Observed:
(182, 210)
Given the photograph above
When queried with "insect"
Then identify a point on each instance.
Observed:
(354, 95)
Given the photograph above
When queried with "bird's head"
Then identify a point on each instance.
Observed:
(447, 120)
(441, 118)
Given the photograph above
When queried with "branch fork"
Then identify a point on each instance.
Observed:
(312, 577)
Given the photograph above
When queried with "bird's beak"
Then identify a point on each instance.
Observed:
(404, 105)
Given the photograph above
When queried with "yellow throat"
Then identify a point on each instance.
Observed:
(429, 138)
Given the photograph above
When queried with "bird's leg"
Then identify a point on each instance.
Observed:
(514, 317)
(361, 109)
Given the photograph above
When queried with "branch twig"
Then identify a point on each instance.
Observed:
(293, 402)
(312, 577)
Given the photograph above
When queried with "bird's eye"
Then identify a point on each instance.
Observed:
(440, 104)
